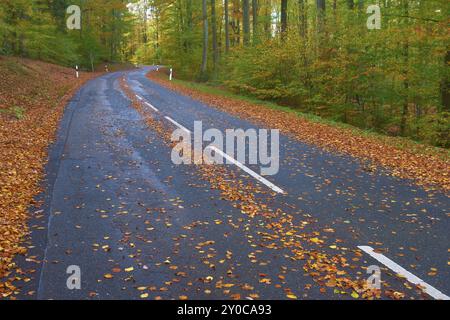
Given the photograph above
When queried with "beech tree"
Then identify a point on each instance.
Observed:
(328, 62)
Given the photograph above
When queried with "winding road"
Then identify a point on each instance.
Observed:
(140, 227)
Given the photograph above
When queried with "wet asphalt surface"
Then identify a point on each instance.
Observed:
(116, 205)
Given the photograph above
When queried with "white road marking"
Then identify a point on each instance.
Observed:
(178, 125)
(151, 106)
(235, 162)
(430, 290)
(248, 170)
(148, 104)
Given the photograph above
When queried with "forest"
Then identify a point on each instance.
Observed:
(316, 56)
(38, 29)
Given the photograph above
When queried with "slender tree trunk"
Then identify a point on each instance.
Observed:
(227, 26)
(246, 21)
(236, 23)
(255, 21)
(320, 15)
(91, 58)
(302, 15)
(268, 19)
(284, 18)
(189, 24)
(145, 20)
(157, 28)
(405, 75)
(205, 38)
(445, 86)
(214, 34)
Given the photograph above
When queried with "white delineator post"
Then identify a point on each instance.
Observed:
(77, 73)
(171, 74)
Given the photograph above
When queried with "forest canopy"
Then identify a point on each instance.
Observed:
(316, 56)
(38, 29)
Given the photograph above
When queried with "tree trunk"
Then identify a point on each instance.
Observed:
(302, 16)
(189, 23)
(205, 39)
(214, 33)
(267, 20)
(227, 26)
(320, 15)
(246, 21)
(445, 86)
(255, 20)
(405, 75)
(236, 23)
(284, 18)
(91, 58)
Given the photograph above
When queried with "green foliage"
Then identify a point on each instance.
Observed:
(387, 80)
(434, 129)
(394, 80)
(18, 112)
(37, 29)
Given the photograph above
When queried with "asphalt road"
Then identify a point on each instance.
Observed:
(116, 205)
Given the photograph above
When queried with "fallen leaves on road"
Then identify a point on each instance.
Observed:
(327, 270)
(426, 165)
(32, 99)
(277, 231)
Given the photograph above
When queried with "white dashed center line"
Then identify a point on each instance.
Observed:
(427, 288)
(224, 155)
(147, 103)
(430, 290)
(151, 106)
(178, 125)
(235, 162)
(248, 170)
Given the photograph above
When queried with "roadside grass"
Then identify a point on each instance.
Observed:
(17, 112)
(399, 142)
